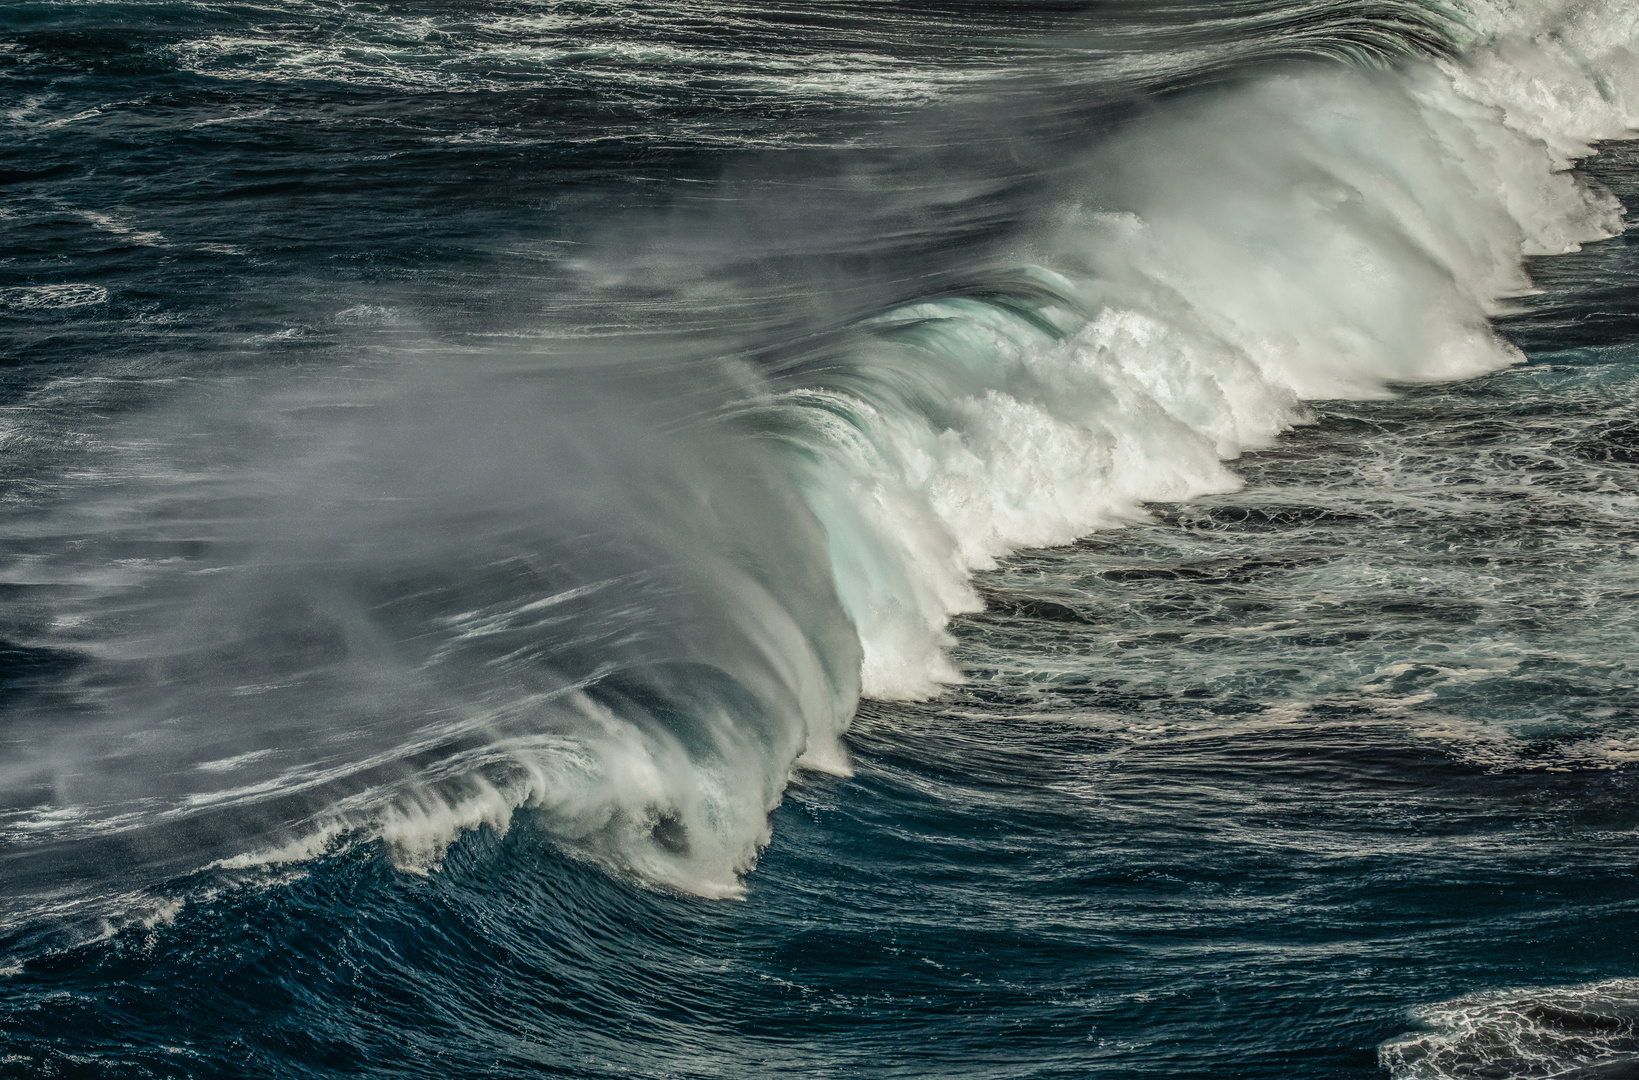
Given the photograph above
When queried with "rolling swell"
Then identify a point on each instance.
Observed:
(408, 647)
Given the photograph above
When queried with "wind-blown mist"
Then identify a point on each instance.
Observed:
(408, 604)
(311, 608)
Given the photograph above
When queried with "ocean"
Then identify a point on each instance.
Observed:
(913, 538)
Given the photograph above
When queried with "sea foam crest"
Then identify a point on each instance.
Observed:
(1565, 73)
(1579, 1031)
(1318, 234)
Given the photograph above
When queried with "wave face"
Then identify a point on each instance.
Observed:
(1263, 255)
(479, 475)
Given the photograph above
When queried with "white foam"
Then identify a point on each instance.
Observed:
(1565, 72)
(1319, 234)
(66, 295)
(1539, 1032)
(534, 50)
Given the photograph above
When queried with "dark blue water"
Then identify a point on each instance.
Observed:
(464, 466)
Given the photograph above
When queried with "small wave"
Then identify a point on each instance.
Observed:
(41, 297)
(1572, 1033)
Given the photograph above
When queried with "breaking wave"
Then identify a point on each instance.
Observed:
(400, 601)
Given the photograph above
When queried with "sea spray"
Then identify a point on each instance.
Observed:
(411, 601)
